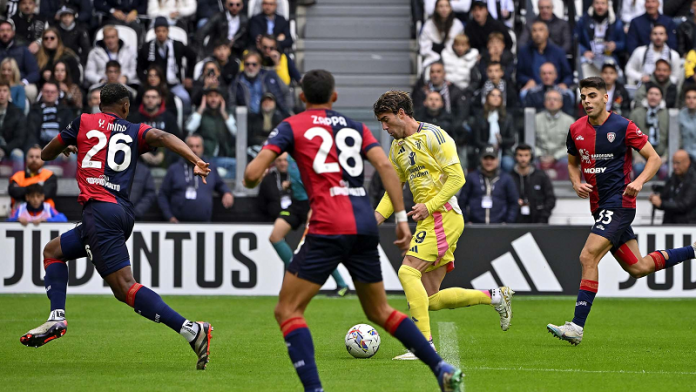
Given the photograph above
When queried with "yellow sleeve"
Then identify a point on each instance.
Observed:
(442, 147)
(444, 151)
(690, 63)
(385, 207)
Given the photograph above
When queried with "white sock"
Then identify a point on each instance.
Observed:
(189, 330)
(57, 315)
(496, 297)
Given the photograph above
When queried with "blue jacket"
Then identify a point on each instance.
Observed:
(639, 32)
(124, 5)
(83, 7)
(173, 191)
(503, 193)
(241, 95)
(528, 69)
(28, 67)
(585, 30)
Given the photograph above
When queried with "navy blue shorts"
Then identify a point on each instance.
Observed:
(614, 224)
(319, 255)
(101, 237)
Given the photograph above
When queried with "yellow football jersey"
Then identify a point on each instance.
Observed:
(420, 160)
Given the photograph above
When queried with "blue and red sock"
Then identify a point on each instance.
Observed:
(583, 305)
(402, 328)
(150, 305)
(56, 282)
(676, 256)
(301, 351)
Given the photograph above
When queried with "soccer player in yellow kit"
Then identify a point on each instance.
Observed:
(426, 157)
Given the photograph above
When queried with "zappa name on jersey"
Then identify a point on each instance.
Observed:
(330, 121)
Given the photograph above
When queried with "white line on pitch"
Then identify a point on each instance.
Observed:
(576, 370)
(449, 343)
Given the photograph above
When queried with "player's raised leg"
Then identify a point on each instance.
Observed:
(592, 253)
(631, 261)
(281, 228)
(374, 302)
(295, 295)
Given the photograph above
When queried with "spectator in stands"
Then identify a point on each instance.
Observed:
(122, 12)
(177, 12)
(26, 62)
(677, 8)
(13, 130)
(275, 192)
(489, 195)
(29, 26)
(438, 32)
(152, 112)
(536, 97)
(482, 26)
(600, 36)
(460, 63)
(551, 132)
(643, 59)
(453, 97)
(496, 79)
(497, 53)
(231, 25)
(536, 53)
(678, 197)
(268, 22)
(169, 54)
(274, 59)
(559, 29)
(34, 173)
(112, 48)
(261, 125)
(641, 28)
(52, 50)
(433, 112)
(142, 193)
(205, 10)
(619, 101)
(9, 73)
(687, 121)
(660, 77)
(70, 93)
(652, 118)
(185, 197)
(113, 75)
(83, 8)
(495, 128)
(249, 86)
(217, 127)
(211, 78)
(48, 117)
(93, 101)
(155, 78)
(35, 210)
(74, 35)
(228, 61)
(536, 199)
(686, 32)
(631, 9)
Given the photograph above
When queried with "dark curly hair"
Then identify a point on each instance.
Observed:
(392, 101)
(113, 93)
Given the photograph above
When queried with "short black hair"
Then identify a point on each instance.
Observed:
(651, 85)
(53, 82)
(113, 93)
(113, 64)
(611, 64)
(663, 61)
(221, 42)
(498, 63)
(690, 88)
(34, 189)
(317, 86)
(593, 82)
(152, 88)
(655, 25)
(523, 147)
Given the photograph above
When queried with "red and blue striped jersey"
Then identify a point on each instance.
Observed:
(107, 152)
(329, 149)
(605, 153)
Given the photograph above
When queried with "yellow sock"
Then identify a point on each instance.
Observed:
(457, 297)
(417, 298)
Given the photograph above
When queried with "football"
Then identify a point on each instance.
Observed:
(362, 341)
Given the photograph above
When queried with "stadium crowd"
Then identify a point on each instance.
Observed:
(188, 64)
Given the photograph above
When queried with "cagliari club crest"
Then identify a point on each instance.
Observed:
(611, 136)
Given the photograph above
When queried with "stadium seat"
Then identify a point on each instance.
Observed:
(175, 32)
(125, 33)
(179, 112)
(27, 106)
(57, 170)
(198, 68)
(254, 8)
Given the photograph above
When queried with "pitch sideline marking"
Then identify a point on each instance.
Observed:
(449, 343)
(486, 368)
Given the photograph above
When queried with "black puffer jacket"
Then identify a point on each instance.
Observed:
(679, 199)
(536, 189)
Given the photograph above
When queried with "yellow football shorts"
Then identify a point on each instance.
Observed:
(436, 239)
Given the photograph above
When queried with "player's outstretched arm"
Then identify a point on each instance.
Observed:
(651, 167)
(256, 169)
(393, 187)
(158, 138)
(583, 190)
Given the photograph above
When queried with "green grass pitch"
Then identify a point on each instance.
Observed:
(630, 345)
